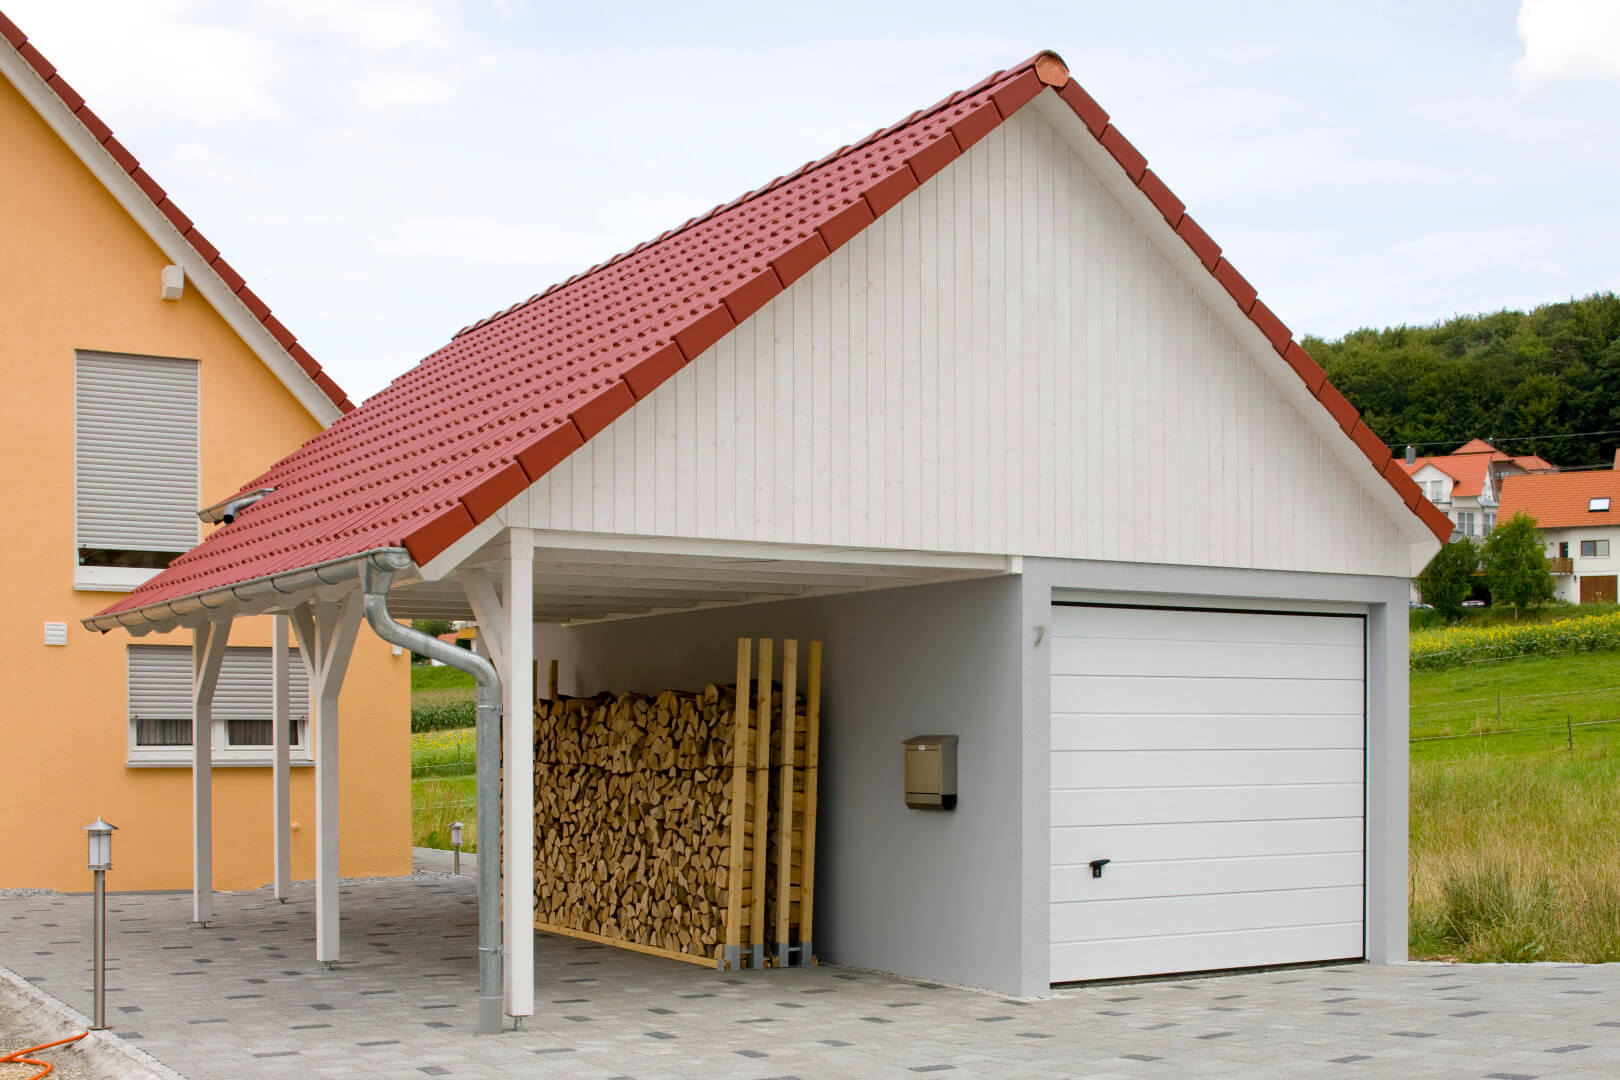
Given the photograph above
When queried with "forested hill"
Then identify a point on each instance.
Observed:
(1507, 377)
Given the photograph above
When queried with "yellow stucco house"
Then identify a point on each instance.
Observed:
(143, 381)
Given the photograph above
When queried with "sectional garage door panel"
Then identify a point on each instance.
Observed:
(1218, 760)
(1209, 952)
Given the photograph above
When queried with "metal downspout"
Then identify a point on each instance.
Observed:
(377, 575)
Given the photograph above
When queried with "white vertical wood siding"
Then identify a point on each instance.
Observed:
(1003, 364)
(1218, 760)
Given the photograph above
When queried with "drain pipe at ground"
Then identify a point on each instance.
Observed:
(376, 577)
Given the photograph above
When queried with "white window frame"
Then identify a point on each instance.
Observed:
(1597, 504)
(1465, 522)
(300, 752)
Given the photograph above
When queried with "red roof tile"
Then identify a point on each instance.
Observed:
(126, 161)
(424, 459)
(1562, 500)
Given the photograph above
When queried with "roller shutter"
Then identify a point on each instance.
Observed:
(135, 478)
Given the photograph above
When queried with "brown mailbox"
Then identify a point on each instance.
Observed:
(931, 772)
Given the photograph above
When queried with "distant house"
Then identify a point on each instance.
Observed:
(1466, 484)
(1579, 516)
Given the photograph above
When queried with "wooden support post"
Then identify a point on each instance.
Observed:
(732, 957)
(551, 682)
(207, 653)
(326, 631)
(762, 804)
(784, 840)
(812, 758)
(280, 742)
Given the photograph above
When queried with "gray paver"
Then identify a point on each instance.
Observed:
(245, 998)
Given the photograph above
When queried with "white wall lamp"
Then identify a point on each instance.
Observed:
(174, 282)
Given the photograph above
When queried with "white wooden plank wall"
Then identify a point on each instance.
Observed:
(1002, 364)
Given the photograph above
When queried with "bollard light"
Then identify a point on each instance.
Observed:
(455, 833)
(100, 836)
(455, 845)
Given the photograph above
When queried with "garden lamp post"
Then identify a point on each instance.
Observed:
(455, 846)
(100, 837)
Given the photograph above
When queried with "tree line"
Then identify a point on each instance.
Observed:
(1518, 379)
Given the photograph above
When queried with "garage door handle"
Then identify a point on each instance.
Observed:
(1097, 865)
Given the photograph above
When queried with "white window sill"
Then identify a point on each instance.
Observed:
(111, 578)
(169, 761)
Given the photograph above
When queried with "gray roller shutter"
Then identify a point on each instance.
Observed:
(160, 695)
(136, 452)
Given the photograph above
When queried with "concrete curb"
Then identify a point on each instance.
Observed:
(145, 1065)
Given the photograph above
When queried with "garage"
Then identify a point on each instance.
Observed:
(1216, 759)
(915, 402)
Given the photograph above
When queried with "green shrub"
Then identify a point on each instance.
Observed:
(443, 715)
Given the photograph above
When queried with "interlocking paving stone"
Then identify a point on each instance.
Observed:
(395, 934)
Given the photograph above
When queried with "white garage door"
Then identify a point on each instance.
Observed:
(1217, 759)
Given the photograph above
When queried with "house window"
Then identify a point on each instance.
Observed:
(1563, 549)
(159, 687)
(1594, 549)
(1490, 520)
(135, 466)
(1465, 522)
(1598, 503)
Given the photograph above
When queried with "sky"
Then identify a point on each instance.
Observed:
(384, 172)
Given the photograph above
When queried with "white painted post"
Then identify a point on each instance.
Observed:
(518, 754)
(207, 653)
(281, 795)
(326, 631)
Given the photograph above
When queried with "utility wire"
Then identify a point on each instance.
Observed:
(1494, 439)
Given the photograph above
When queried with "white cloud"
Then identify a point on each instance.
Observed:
(1569, 39)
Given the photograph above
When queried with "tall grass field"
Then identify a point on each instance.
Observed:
(1515, 809)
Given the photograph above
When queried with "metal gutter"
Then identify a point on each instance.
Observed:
(286, 583)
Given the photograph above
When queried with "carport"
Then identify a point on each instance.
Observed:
(925, 399)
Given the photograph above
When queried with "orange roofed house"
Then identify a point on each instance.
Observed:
(1579, 517)
(144, 380)
(1467, 483)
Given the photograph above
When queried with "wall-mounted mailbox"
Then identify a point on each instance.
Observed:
(931, 772)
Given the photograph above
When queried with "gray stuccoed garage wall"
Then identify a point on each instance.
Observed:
(930, 894)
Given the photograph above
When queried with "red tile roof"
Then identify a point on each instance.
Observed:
(1468, 464)
(208, 252)
(452, 440)
(1467, 471)
(1562, 500)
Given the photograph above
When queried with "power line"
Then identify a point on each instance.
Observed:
(1494, 439)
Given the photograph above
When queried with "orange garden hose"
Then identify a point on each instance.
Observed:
(46, 1068)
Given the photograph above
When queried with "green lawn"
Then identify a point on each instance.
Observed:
(443, 788)
(1512, 823)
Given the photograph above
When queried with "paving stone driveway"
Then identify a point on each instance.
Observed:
(246, 999)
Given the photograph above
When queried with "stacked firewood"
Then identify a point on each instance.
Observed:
(633, 817)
